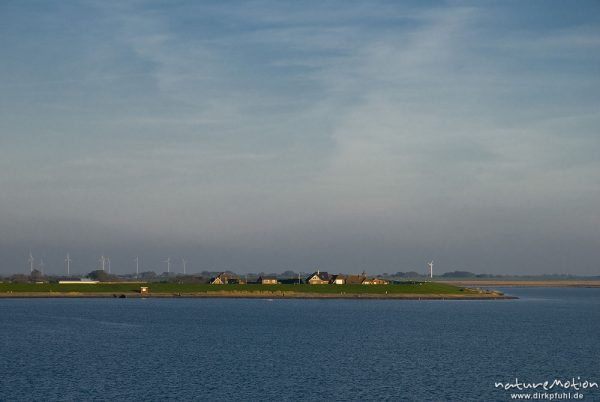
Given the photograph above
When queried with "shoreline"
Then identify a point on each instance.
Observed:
(254, 295)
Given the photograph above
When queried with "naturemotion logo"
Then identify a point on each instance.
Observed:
(561, 389)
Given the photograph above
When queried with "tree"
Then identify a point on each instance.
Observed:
(148, 275)
(36, 276)
(102, 276)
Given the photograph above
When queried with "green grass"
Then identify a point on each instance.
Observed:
(414, 288)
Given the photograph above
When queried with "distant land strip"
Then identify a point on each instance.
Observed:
(551, 283)
(407, 291)
(260, 295)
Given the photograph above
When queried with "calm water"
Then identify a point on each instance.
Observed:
(228, 349)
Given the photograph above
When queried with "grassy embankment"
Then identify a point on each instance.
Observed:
(175, 288)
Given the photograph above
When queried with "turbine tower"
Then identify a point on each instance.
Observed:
(430, 269)
(31, 261)
(103, 262)
(168, 261)
(42, 265)
(137, 266)
(108, 263)
(184, 263)
(68, 261)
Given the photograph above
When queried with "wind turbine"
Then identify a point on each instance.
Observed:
(168, 261)
(108, 263)
(137, 266)
(68, 261)
(430, 269)
(184, 263)
(31, 261)
(102, 261)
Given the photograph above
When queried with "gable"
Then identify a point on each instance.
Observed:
(316, 278)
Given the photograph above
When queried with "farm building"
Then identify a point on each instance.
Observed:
(225, 278)
(267, 280)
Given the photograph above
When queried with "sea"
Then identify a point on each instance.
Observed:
(299, 350)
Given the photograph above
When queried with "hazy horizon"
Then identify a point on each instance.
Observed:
(267, 136)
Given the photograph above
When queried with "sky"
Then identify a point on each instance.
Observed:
(262, 136)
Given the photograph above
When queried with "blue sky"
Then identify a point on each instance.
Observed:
(264, 136)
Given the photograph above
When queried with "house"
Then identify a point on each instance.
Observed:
(267, 280)
(355, 279)
(318, 278)
(224, 278)
(338, 279)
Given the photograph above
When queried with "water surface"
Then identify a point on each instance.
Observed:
(232, 349)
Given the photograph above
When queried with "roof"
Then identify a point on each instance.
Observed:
(324, 276)
(224, 277)
(268, 277)
(227, 275)
(355, 279)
